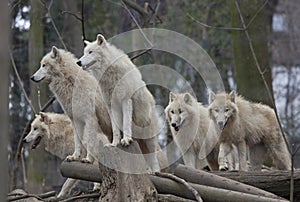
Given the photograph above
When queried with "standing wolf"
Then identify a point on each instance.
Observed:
(190, 126)
(80, 96)
(56, 131)
(131, 105)
(241, 122)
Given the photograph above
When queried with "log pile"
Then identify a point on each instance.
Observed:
(210, 186)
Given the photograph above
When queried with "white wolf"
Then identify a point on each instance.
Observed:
(131, 105)
(56, 132)
(190, 126)
(243, 123)
(79, 94)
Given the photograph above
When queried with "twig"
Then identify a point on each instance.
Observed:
(47, 194)
(20, 82)
(95, 195)
(72, 14)
(141, 53)
(23, 166)
(182, 181)
(82, 20)
(54, 26)
(24, 196)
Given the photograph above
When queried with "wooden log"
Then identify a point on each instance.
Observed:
(209, 179)
(277, 182)
(167, 186)
(172, 198)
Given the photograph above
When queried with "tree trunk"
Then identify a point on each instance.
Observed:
(35, 162)
(4, 76)
(119, 184)
(249, 81)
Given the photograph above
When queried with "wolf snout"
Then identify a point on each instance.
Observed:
(221, 124)
(79, 63)
(32, 78)
(173, 125)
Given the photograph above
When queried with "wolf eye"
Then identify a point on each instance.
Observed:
(35, 128)
(227, 110)
(90, 52)
(172, 111)
(179, 111)
(216, 110)
(43, 65)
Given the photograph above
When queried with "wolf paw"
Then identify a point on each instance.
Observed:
(72, 158)
(126, 141)
(223, 168)
(86, 160)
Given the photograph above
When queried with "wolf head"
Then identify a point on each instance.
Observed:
(49, 66)
(179, 108)
(93, 52)
(222, 108)
(39, 129)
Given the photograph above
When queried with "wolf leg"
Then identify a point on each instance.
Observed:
(256, 154)
(189, 157)
(91, 130)
(67, 186)
(127, 122)
(78, 129)
(242, 150)
(116, 131)
(224, 150)
(151, 157)
(230, 156)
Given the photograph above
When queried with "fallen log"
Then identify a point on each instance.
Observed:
(277, 182)
(166, 186)
(208, 179)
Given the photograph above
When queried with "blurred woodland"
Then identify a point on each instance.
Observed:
(258, 57)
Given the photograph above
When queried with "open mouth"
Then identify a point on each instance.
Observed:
(36, 142)
(36, 80)
(88, 65)
(224, 125)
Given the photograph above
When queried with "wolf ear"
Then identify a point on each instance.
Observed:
(86, 42)
(172, 97)
(232, 96)
(44, 118)
(100, 39)
(212, 97)
(188, 98)
(54, 52)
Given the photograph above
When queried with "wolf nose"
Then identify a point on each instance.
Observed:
(79, 63)
(220, 123)
(32, 78)
(24, 140)
(173, 124)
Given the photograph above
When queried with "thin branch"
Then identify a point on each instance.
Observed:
(141, 53)
(54, 26)
(82, 20)
(136, 7)
(95, 195)
(72, 14)
(20, 82)
(23, 166)
(182, 181)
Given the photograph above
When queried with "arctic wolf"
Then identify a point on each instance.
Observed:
(242, 123)
(56, 133)
(131, 105)
(80, 96)
(190, 126)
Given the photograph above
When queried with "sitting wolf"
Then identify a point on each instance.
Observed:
(243, 123)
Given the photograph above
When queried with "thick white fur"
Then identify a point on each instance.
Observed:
(190, 126)
(56, 132)
(242, 123)
(131, 105)
(80, 96)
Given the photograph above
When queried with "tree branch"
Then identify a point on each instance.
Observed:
(182, 181)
